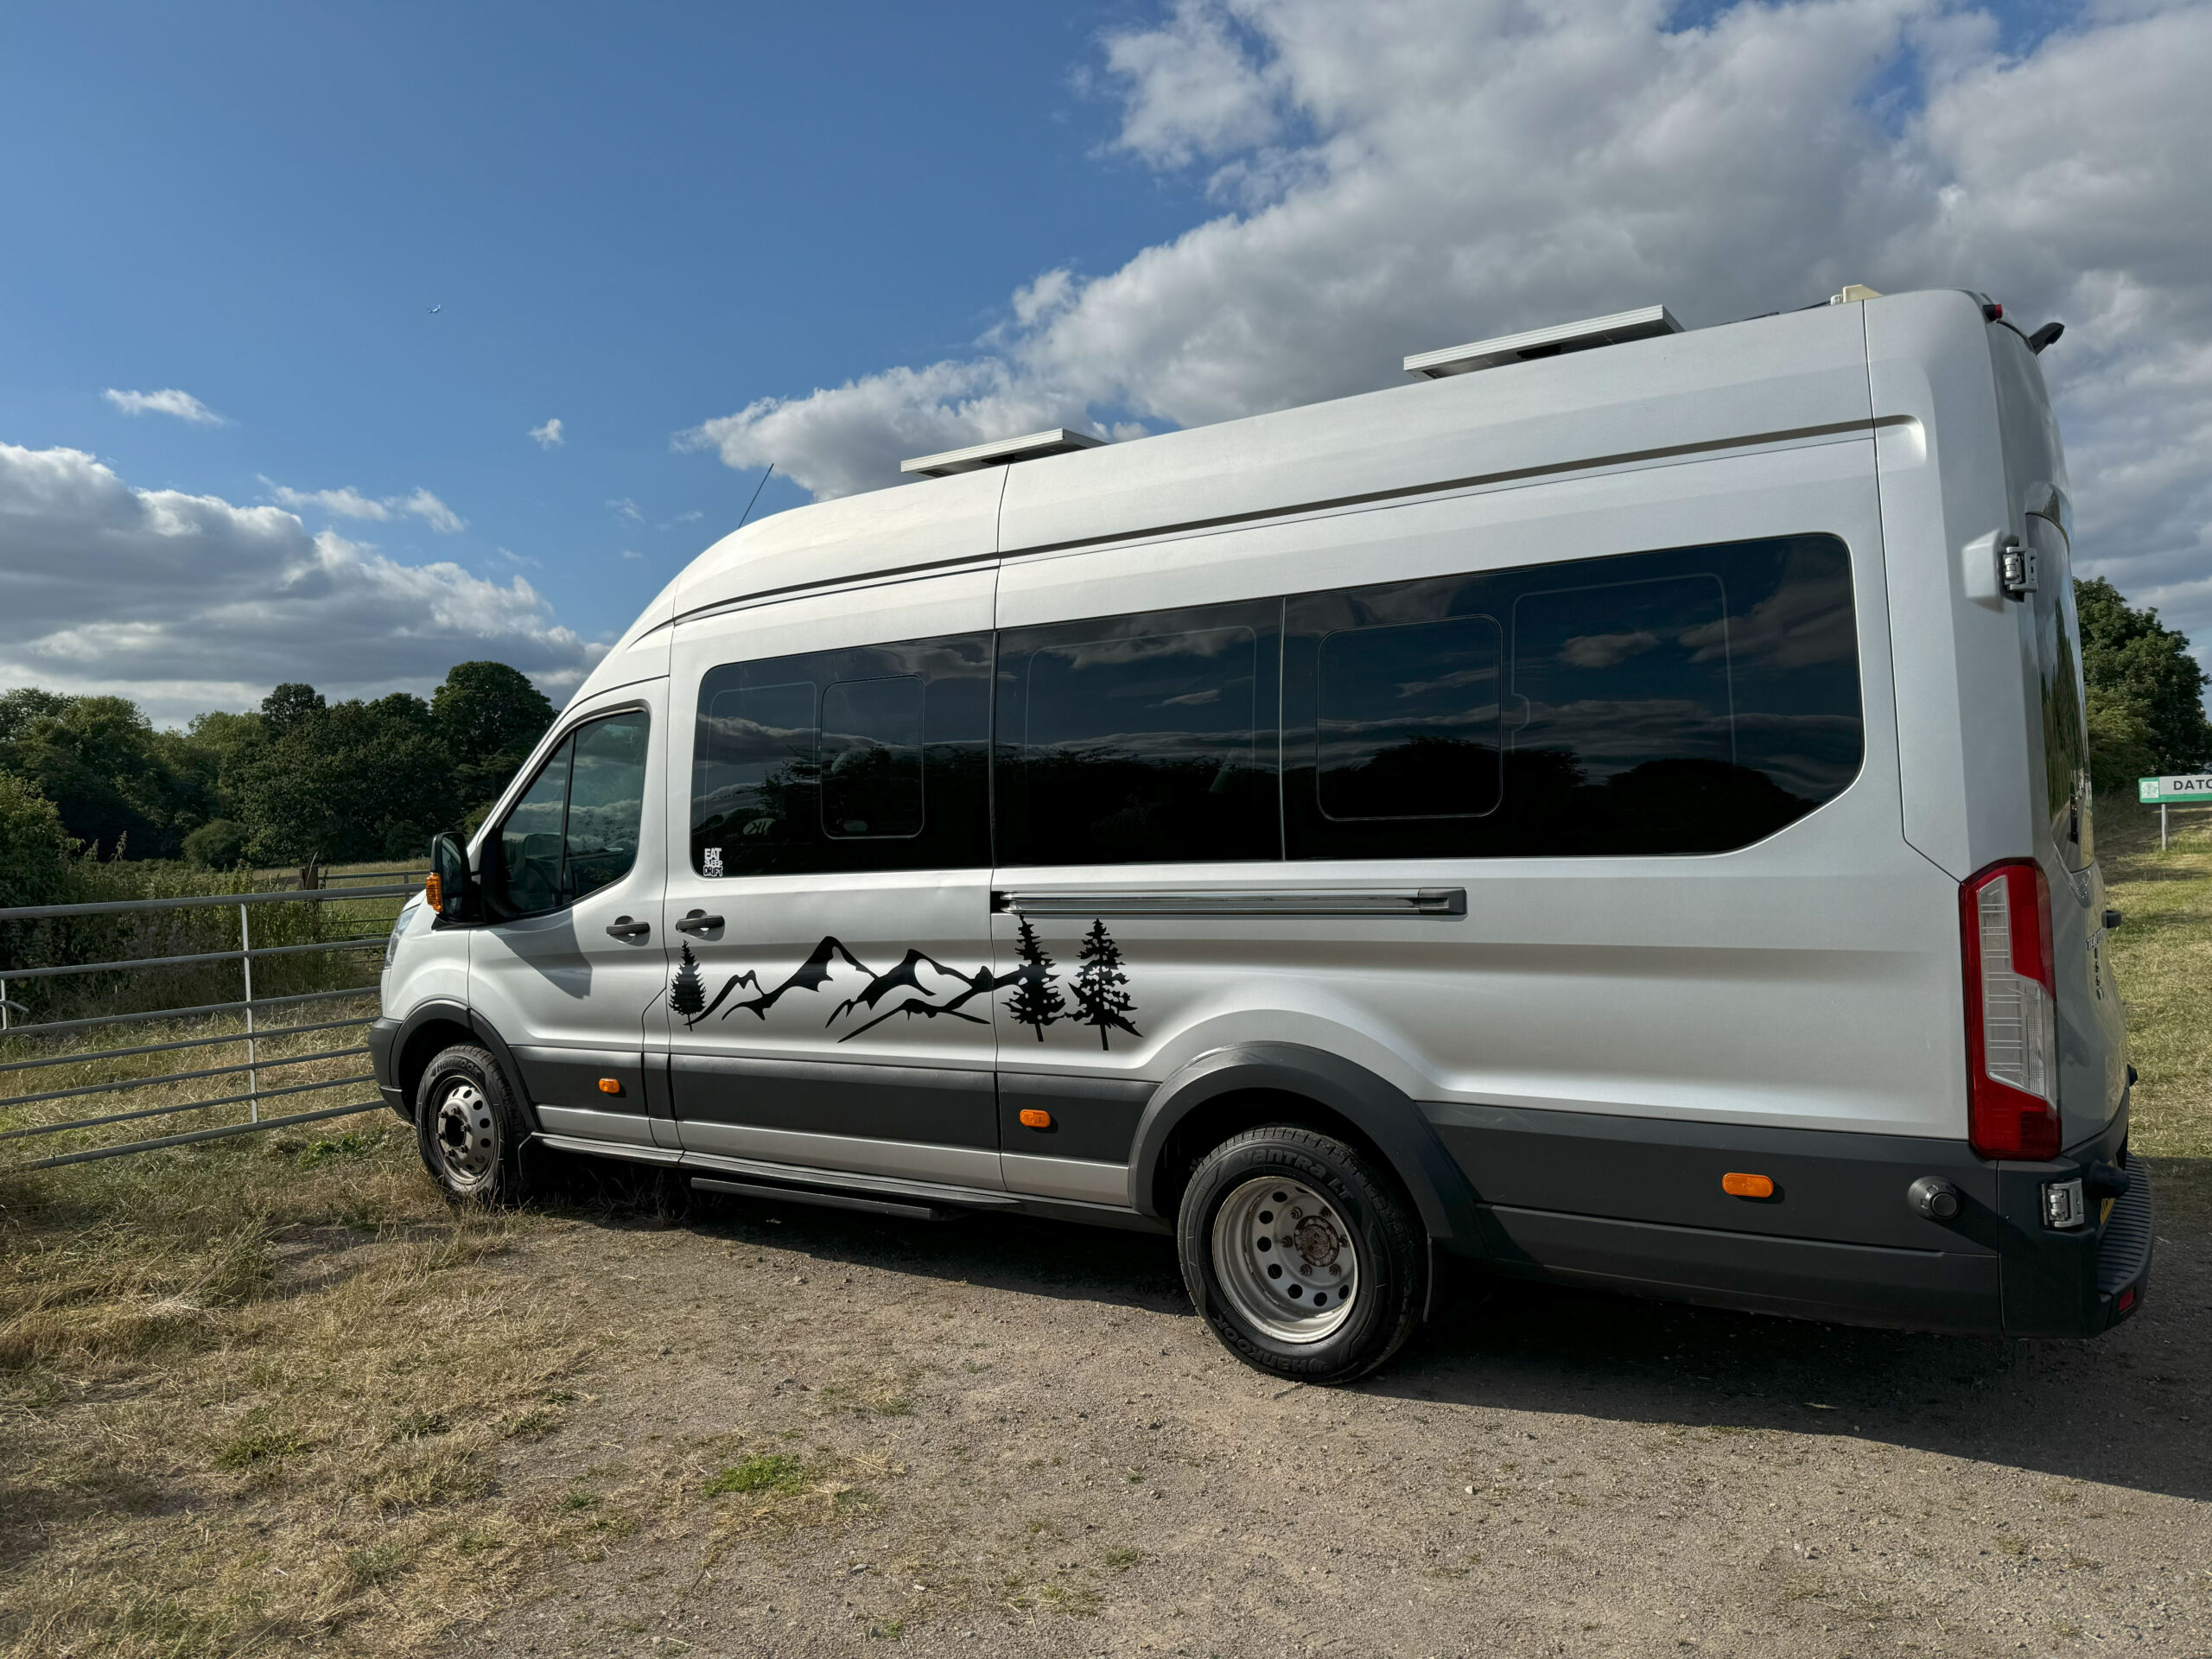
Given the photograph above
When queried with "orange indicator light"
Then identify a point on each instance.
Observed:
(434, 892)
(1739, 1185)
(1034, 1119)
(610, 1085)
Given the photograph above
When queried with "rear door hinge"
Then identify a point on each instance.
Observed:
(2016, 568)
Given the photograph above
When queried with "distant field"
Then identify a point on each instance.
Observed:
(2162, 954)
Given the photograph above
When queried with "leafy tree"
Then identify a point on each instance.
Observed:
(289, 707)
(2146, 691)
(218, 844)
(1036, 1001)
(345, 782)
(34, 847)
(1099, 999)
(104, 767)
(491, 716)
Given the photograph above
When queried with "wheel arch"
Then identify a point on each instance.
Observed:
(434, 1026)
(1238, 1087)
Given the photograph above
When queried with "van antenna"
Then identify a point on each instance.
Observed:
(757, 488)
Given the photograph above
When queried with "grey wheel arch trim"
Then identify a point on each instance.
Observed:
(1386, 1114)
(450, 1013)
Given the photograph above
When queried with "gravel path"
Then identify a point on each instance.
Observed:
(1001, 1437)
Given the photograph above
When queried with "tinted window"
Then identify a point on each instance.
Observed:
(1409, 722)
(528, 876)
(870, 758)
(1693, 700)
(606, 800)
(1140, 739)
(575, 829)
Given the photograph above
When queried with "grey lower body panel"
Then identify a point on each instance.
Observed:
(1636, 1204)
(938, 1106)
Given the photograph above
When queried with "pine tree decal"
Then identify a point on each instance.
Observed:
(1099, 999)
(687, 996)
(1037, 1001)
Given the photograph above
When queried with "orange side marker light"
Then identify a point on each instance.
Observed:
(1034, 1119)
(434, 892)
(1737, 1184)
(610, 1085)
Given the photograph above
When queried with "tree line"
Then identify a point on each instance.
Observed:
(299, 779)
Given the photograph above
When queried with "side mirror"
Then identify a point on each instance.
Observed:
(450, 890)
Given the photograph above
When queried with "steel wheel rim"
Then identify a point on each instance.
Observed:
(1268, 1223)
(467, 1140)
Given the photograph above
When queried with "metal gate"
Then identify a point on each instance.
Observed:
(30, 1047)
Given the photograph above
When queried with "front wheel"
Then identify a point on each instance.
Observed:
(468, 1127)
(1306, 1259)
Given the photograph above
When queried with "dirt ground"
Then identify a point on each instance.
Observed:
(812, 1432)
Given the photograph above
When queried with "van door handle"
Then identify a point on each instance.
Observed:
(697, 921)
(623, 928)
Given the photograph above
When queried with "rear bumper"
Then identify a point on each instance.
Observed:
(1636, 1204)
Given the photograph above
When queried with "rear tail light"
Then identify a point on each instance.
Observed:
(2011, 1013)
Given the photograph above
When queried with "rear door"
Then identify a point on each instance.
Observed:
(829, 844)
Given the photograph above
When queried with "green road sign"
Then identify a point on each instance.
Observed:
(2161, 791)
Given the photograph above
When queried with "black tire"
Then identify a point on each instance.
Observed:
(468, 1130)
(1242, 1193)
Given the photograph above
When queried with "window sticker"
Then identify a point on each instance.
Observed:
(712, 857)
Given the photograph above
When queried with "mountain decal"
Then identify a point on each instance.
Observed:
(918, 986)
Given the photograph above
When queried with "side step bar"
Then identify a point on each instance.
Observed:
(838, 1189)
(825, 1200)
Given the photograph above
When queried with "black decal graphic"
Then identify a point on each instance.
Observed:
(927, 988)
(1099, 999)
(1036, 1001)
(687, 995)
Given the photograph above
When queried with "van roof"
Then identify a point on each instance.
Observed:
(1798, 374)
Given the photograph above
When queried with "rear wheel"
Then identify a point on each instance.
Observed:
(468, 1128)
(1304, 1258)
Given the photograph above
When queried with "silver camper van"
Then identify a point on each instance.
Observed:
(1612, 812)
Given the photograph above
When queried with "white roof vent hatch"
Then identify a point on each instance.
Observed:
(1060, 440)
(1646, 324)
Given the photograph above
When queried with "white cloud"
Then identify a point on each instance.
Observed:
(1406, 174)
(626, 509)
(548, 435)
(183, 404)
(189, 602)
(630, 556)
(349, 503)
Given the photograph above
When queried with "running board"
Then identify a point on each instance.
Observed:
(823, 1200)
(789, 1179)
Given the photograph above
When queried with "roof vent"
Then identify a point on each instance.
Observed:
(1651, 320)
(1057, 441)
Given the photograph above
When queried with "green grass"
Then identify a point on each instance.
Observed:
(2161, 957)
(765, 1471)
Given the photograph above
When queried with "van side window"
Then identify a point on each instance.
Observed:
(1693, 700)
(1137, 739)
(868, 758)
(575, 829)
(1409, 722)
(872, 758)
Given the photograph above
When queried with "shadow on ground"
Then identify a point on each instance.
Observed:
(2132, 1408)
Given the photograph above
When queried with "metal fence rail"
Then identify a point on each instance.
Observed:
(329, 889)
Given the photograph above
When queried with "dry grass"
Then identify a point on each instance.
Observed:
(253, 1400)
(2162, 955)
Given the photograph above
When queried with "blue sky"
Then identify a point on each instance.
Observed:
(833, 235)
(633, 220)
